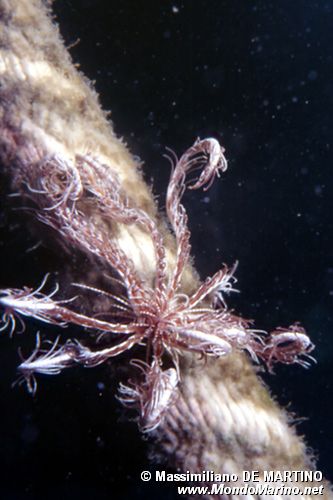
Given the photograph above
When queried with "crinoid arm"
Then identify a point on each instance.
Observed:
(287, 346)
(153, 396)
(112, 202)
(56, 186)
(37, 305)
(207, 155)
(56, 359)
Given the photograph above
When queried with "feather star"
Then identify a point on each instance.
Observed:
(160, 317)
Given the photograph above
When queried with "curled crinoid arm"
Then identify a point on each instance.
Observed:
(58, 183)
(207, 155)
(56, 359)
(153, 396)
(287, 345)
(37, 305)
(208, 148)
